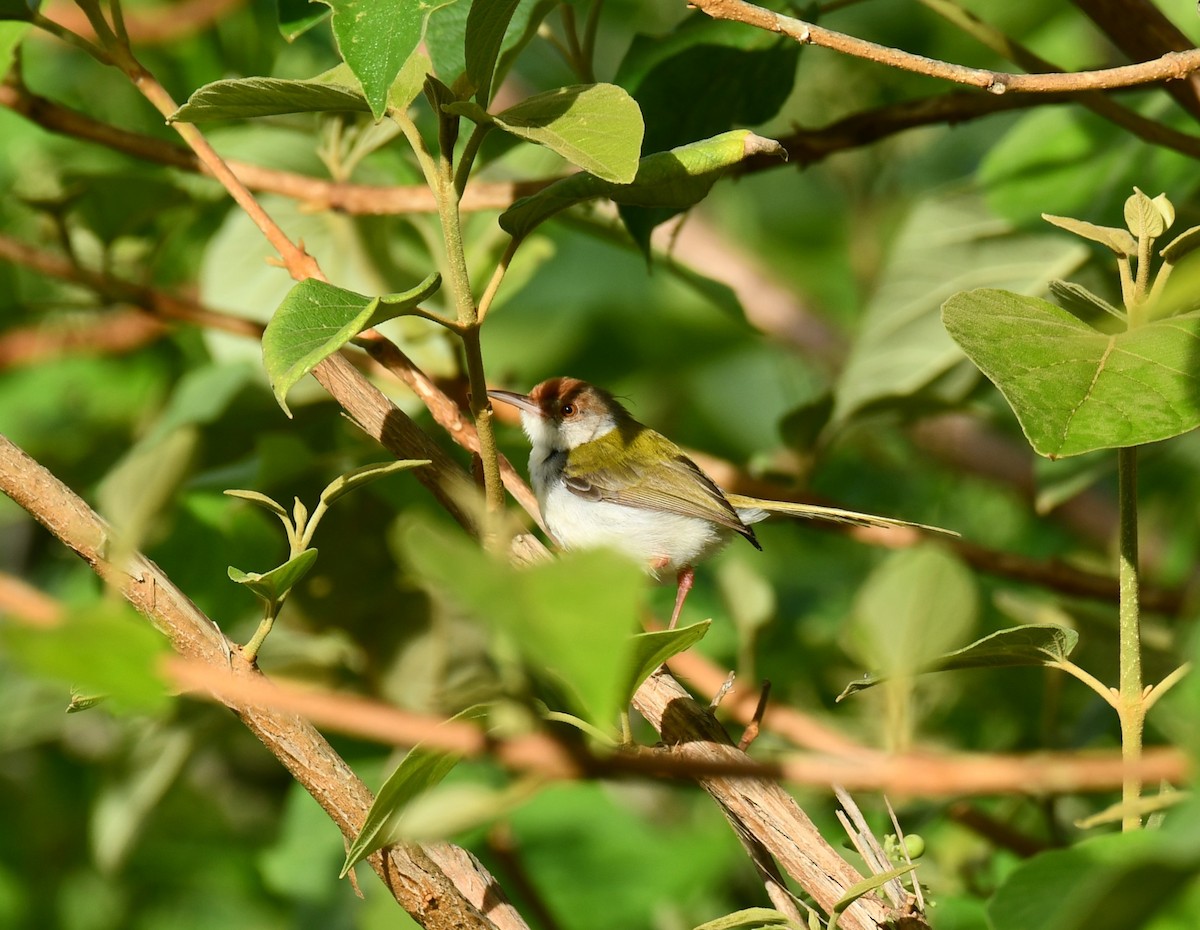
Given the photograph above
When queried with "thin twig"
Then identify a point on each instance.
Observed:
(751, 732)
(1172, 66)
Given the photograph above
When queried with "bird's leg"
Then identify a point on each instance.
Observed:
(684, 579)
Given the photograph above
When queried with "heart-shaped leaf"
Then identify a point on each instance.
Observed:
(595, 126)
(1075, 389)
(272, 586)
(1033, 644)
(316, 319)
(681, 178)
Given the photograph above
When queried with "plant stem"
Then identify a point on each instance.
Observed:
(250, 650)
(1131, 709)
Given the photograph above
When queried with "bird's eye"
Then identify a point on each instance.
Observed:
(568, 410)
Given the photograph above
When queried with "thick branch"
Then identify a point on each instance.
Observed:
(421, 886)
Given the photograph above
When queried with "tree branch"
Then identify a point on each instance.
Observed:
(419, 884)
(1172, 66)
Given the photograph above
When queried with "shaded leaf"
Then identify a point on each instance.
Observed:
(1072, 388)
(447, 810)
(104, 648)
(1181, 245)
(243, 98)
(1033, 644)
(296, 17)
(650, 650)
(376, 38)
(419, 771)
(316, 319)
(18, 9)
(487, 22)
(913, 606)
(1107, 883)
(1078, 298)
(274, 585)
(595, 126)
(681, 177)
(1119, 240)
(570, 617)
(352, 480)
(946, 244)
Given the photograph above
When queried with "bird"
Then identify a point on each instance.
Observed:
(602, 479)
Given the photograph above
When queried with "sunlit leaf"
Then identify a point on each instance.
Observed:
(681, 177)
(650, 650)
(316, 319)
(355, 479)
(376, 38)
(1119, 240)
(1075, 389)
(420, 770)
(595, 126)
(1032, 644)
(273, 585)
(752, 918)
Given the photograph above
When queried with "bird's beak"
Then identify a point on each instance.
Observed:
(520, 401)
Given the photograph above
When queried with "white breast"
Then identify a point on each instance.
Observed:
(664, 542)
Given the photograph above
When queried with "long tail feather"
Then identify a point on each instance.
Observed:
(829, 514)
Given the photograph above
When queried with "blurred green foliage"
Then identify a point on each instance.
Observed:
(167, 814)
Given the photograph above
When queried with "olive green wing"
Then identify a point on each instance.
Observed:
(675, 485)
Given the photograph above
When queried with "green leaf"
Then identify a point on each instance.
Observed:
(355, 479)
(448, 810)
(1144, 217)
(316, 319)
(571, 618)
(1072, 388)
(757, 71)
(1033, 644)
(752, 918)
(274, 585)
(420, 770)
(650, 650)
(296, 17)
(866, 886)
(487, 22)
(914, 606)
(1107, 883)
(243, 98)
(681, 178)
(104, 648)
(1186, 242)
(946, 245)
(1119, 240)
(11, 36)
(201, 396)
(376, 38)
(18, 9)
(261, 500)
(1078, 298)
(595, 126)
